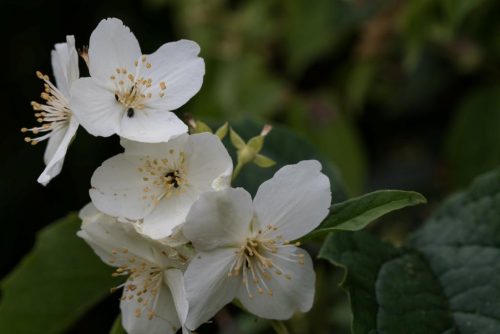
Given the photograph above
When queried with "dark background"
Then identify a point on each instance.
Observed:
(398, 94)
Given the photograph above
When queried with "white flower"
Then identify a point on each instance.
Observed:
(244, 250)
(153, 299)
(133, 94)
(56, 117)
(159, 182)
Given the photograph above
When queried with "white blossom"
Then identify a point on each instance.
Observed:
(153, 299)
(159, 182)
(57, 123)
(132, 94)
(244, 249)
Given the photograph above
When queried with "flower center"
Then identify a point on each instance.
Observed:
(173, 178)
(55, 114)
(256, 260)
(163, 177)
(134, 91)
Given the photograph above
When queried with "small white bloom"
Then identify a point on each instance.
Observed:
(153, 299)
(244, 250)
(132, 94)
(56, 116)
(159, 182)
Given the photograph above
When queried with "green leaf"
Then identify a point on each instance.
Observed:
(354, 214)
(472, 143)
(447, 279)
(55, 284)
(117, 326)
(285, 147)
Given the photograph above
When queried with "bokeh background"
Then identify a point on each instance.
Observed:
(397, 94)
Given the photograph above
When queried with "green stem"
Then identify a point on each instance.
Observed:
(279, 327)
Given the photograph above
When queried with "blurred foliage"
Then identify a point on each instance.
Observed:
(55, 284)
(474, 140)
(396, 94)
(319, 66)
(444, 281)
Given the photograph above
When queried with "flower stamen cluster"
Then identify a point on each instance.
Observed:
(255, 260)
(143, 283)
(166, 175)
(52, 115)
(133, 92)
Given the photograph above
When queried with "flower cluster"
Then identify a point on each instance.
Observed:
(163, 212)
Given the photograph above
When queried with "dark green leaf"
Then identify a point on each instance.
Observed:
(117, 326)
(55, 284)
(354, 214)
(472, 146)
(446, 281)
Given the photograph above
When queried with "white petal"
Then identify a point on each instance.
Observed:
(175, 280)
(169, 213)
(166, 320)
(177, 239)
(289, 295)
(154, 150)
(219, 219)
(89, 213)
(65, 65)
(296, 199)
(95, 107)
(151, 126)
(107, 236)
(208, 287)
(56, 151)
(112, 45)
(178, 66)
(208, 161)
(118, 188)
